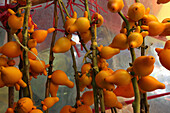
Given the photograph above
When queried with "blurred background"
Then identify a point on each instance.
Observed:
(43, 17)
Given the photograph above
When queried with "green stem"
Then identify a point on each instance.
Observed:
(61, 10)
(87, 9)
(136, 0)
(51, 58)
(126, 21)
(136, 103)
(27, 92)
(65, 9)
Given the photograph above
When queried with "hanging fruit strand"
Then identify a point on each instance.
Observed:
(51, 58)
(27, 92)
(136, 103)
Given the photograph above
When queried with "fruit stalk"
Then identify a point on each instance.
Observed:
(10, 89)
(136, 103)
(27, 92)
(72, 53)
(51, 58)
(144, 101)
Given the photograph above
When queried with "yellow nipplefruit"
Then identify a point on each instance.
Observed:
(11, 49)
(63, 44)
(87, 98)
(136, 11)
(40, 35)
(82, 24)
(99, 18)
(164, 55)
(100, 80)
(70, 21)
(135, 39)
(120, 77)
(148, 18)
(120, 41)
(24, 105)
(110, 100)
(59, 77)
(149, 83)
(49, 102)
(153, 28)
(131, 23)
(143, 65)
(115, 6)
(107, 52)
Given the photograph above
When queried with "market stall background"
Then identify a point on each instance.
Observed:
(43, 17)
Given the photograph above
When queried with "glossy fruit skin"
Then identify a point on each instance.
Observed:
(86, 36)
(102, 63)
(11, 76)
(11, 49)
(153, 28)
(99, 18)
(149, 83)
(110, 100)
(115, 6)
(38, 67)
(108, 52)
(82, 24)
(24, 105)
(59, 77)
(15, 22)
(125, 91)
(136, 11)
(87, 98)
(84, 109)
(143, 65)
(53, 89)
(120, 41)
(36, 111)
(85, 80)
(164, 58)
(66, 109)
(162, 1)
(100, 80)
(135, 40)
(49, 102)
(40, 35)
(85, 68)
(120, 77)
(131, 23)
(148, 18)
(62, 45)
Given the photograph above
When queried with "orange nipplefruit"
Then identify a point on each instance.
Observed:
(49, 102)
(149, 83)
(53, 89)
(115, 6)
(125, 91)
(66, 109)
(85, 68)
(100, 80)
(86, 36)
(85, 80)
(40, 35)
(102, 63)
(84, 109)
(120, 41)
(10, 110)
(143, 65)
(120, 77)
(164, 55)
(11, 49)
(87, 98)
(110, 100)
(59, 77)
(36, 111)
(24, 105)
